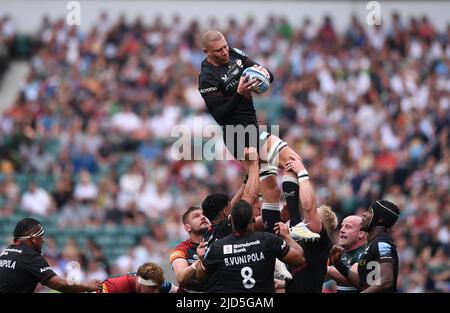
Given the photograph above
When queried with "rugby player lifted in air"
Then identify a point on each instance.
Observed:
(228, 98)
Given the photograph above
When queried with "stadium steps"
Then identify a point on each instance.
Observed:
(12, 82)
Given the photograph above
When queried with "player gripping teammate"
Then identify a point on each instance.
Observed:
(309, 278)
(184, 258)
(378, 264)
(354, 241)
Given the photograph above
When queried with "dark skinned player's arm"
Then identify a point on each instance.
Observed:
(386, 279)
(65, 285)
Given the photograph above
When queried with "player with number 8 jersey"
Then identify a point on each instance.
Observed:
(244, 261)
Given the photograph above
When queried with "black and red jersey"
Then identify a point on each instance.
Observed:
(187, 250)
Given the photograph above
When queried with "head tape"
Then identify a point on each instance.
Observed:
(384, 213)
(24, 229)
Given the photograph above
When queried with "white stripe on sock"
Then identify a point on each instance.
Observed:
(270, 206)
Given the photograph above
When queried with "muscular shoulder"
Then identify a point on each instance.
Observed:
(180, 251)
(381, 248)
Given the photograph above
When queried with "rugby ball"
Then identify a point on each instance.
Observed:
(263, 80)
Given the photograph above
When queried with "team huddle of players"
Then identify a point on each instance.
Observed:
(233, 248)
(226, 253)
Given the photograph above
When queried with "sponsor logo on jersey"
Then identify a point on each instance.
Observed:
(48, 268)
(227, 249)
(205, 90)
(242, 247)
(384, 249)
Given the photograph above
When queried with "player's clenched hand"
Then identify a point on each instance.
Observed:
(201, 250)
(251, 154)
(294, 165)
(94, 285)
(245, 85)
(335, 255)
(279, 284)
(281, 229)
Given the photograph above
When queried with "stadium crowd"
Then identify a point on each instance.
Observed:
(88, 140)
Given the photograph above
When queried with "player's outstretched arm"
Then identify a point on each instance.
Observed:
(251, 189)
(184, 272)
(295, 256)
(200, 273)
(66, 285)
(307, 195)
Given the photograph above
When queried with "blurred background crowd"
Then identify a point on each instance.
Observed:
(86, 147)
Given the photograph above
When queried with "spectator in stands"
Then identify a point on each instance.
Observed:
(86, 189)
(36, 200)
(84, 160)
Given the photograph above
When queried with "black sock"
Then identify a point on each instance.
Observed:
(270, 215)
(291, 194)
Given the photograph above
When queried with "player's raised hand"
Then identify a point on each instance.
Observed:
(279, 284)
(294, 165)
(281, 229)
(251, 153)
(250, 156)
(201, 250)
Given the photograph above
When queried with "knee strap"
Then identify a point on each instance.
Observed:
(272, 156)
(267, 170)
